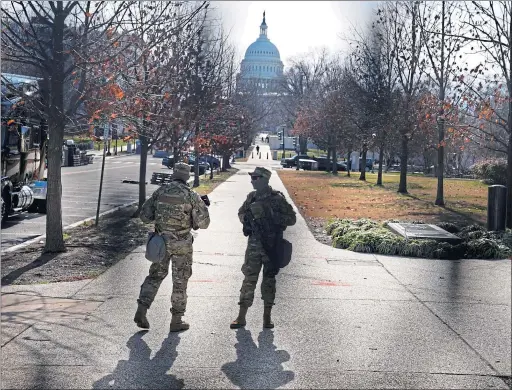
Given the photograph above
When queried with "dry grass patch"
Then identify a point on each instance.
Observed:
(207, 185)
(322, 196)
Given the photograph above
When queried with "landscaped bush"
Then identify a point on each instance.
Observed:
(368, 236)
(449, 227)
(492, 171)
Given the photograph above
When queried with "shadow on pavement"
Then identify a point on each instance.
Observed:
(40, 261)
(258, 367)
(142, 372)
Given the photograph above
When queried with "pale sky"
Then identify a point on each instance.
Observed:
(295, 27)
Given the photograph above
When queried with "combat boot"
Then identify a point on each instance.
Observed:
(240, 321)
(140, 317)
(267, 321)
(177, 325)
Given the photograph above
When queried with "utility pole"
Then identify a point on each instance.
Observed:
(105, 135)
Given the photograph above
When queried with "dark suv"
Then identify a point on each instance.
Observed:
(292, 161)
(323, 163)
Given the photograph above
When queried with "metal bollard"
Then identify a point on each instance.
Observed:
(496, 207)
(267, 155)
(252, 155)
(260, 155)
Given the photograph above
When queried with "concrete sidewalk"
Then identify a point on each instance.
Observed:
(343, 320)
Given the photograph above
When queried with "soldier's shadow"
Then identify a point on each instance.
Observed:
(142, 372)
(258, 367)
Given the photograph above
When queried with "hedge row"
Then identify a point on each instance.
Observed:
(368, 236)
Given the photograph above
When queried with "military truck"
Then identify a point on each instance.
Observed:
(24, 136)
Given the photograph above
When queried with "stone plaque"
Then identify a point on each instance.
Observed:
(416, 231)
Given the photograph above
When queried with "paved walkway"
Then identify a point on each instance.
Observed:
(343, 320)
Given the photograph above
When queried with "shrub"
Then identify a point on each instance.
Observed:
(449, 227)
(485, 248)
(367, 236)
(491, 171)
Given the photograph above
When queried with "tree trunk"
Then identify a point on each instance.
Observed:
(404, 156)
(381, 157)
(142, 171)
(176, 154)
(211, 170)
(303, 144)
(440, 120)
(56, 123)
(362, 167)
(440, 165)
(509, 159)
(509, 168)
(349, 163)
(328, 166)
(334, 161)
(196, 170)
(225, 162)
(54, 237)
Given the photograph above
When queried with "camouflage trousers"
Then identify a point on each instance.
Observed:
(179, 256)
(255, 259)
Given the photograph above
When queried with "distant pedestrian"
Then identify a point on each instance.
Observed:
(175, 208)
(257, 149)
(265, 214)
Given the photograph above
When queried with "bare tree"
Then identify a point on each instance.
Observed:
(301, 81)
(489, 29)
(59, 40)
(403, 21)
(441, 30)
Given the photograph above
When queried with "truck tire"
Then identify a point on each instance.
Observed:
(41, 206)
(33, 207)
(4, 212)
(6, 204)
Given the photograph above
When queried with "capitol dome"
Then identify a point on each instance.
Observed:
(262, 64)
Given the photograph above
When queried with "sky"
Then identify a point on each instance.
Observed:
(295, 27)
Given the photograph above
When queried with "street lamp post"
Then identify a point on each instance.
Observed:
(282, 129)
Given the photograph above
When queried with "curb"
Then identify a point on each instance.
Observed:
(73, 225)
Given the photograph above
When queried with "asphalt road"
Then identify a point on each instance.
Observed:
(80, 186)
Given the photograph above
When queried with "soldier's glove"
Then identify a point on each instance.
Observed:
(205, 199)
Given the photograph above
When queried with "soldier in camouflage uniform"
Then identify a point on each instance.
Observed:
(175, 209)
(264, 214)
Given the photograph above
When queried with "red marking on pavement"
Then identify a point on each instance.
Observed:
(331, 284)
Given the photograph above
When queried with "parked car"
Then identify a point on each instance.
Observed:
(168, 161)
(160, 153)
(215, 162)
(369, 164)
(203, 167)
(323, 163)
(292, 161)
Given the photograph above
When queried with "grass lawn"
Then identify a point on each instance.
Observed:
(206, 185)
(320, 195)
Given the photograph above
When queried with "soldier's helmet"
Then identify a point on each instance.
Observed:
(181, 171)
(261, 172)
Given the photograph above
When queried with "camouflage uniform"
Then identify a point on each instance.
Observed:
(270, 212)
(176, 209)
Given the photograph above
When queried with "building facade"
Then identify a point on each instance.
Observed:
(261, 81)
(261, 67)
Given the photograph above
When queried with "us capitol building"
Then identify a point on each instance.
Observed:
(261, 75)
